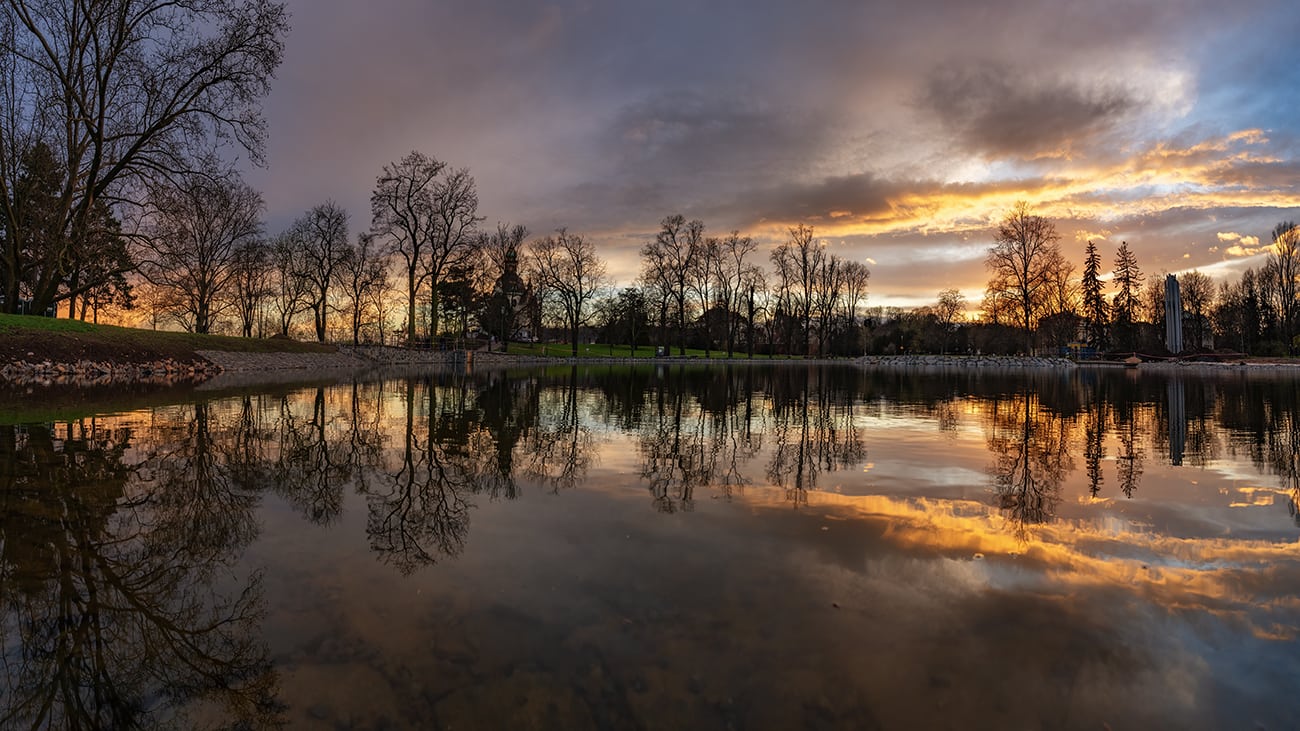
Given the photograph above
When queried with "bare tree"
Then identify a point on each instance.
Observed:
(507, 241)
(1283, 268)
(703, 280)
(856, 277)
(950, 307)
(289, 294)
(798, 262)
(364, 277)
(323, 236)
(827, 291)
(125, 92)
(571, 275)
(1153, 301)
(1060, 315)
(730, 272)
(250, 285)
(198, 228)
(1197, 292)
(668, 262)
(455, 241)
(509, 297)
(402, 212)
(1022, 260)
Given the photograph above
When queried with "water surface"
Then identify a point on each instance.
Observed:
(597, 547)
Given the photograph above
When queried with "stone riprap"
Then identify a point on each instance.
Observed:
(105, 372)
(389, 355)
(234, 361)
(1009, 362)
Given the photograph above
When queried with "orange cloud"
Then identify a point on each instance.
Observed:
(1242, 245)
(1231, 171)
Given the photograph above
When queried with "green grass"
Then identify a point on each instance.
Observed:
(62, 340)
(13, 324)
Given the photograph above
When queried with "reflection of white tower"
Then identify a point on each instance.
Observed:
(1173, 315)
(1177, 420)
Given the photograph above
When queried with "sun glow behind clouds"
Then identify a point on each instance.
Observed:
(1204, 176)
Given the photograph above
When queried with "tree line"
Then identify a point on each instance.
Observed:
(1033, 289)
(118, 122)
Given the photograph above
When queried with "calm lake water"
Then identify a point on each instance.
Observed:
(767, 547)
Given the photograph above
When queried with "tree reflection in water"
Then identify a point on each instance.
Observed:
(420, 512)
(118, 536)
(558, 447)
(1030, 447)
(813, 431)
(704, 428)
(312, 462)
(112, 618)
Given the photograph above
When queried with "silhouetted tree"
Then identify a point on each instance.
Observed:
(950, 307)
(199, 225)
(1283, 271)
(323, 235)
(667, 265)
(1125, 306)
(571, 276)
(1022, 261)
(289, 293)
(363, 276)
(1197, 291)
(250, 285)
(123, 93)
(1095, 316)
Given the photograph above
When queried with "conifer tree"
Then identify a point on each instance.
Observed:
(1128, 283)
(1094, 302)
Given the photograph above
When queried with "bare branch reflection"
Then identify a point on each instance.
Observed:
(1030, 447)
(112, 618)
(558, 448)
(420, 512)
(313, 461)
(813, 431)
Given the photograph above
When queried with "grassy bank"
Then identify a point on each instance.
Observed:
(36, 339)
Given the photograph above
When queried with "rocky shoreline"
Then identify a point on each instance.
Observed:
(95, 373)
(212, 363)
(963, 362)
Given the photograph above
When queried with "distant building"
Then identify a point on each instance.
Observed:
(517, 299)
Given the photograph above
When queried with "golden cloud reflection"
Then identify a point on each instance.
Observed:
(1248, 580)
(1038, 492)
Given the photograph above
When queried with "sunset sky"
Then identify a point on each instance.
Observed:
(900, 131)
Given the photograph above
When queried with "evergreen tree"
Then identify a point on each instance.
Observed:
(1128, 283)
(1094, 302)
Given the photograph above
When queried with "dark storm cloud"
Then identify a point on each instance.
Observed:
(900, 118)
(690, 133)
(685, 151)
(1003, 112)
(858, 196)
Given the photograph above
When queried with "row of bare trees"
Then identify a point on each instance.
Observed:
(1032, 287)
(115, 119)
(103, 104)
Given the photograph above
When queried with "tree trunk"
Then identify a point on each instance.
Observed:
(410, 304)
